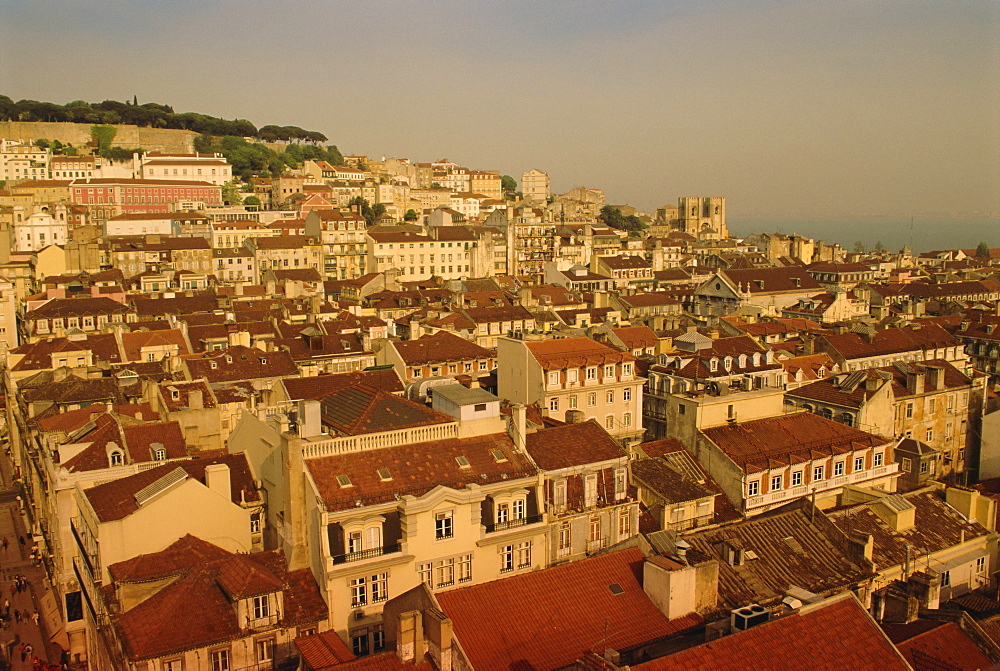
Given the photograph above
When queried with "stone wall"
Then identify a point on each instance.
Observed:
(78, 134)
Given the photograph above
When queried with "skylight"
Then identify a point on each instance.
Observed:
(463, 462)
(344, 481)
(384, 475)
(498, 456)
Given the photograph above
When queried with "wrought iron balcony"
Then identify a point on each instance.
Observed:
(366, 554)
(511, 524)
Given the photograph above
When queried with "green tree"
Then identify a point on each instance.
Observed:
(121, 153)
(879, 247)
(253, 201)
(411, 215)
(103, 136)
(370, 213)
(508, 184)
(41, 143)
(983, 250)
(859, 247)
(231, 193)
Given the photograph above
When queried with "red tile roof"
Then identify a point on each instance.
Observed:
(38, 355)
(324, 651)
(562, 353)
(115, 500)
(944, 647)
(321, 386)
(241, 363)
(548, 619)
(572, 445)
(791, 439)
(832, 636)
(359, 409)
(439, 347)
(134, 341)
(195, 610)
(416, 469)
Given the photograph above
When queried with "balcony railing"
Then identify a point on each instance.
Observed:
(690, 523)
(511, 524)
(366, 554)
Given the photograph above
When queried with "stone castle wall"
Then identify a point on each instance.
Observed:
(78, 134)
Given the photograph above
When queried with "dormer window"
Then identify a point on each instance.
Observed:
(116, 458)
(261, 607)
(713, 365)
(743, 361)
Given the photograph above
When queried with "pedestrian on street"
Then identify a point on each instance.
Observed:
(35, 616)
(4, 542)
(6, 607)
(13, 588)
(24, 652)
(21, 540)
(17, 615)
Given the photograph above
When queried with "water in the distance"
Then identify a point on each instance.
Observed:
(928, 232)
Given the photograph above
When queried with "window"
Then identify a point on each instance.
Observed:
(981, 565)
(220, 660)
(444, 525)
(506, 558)
(565, 539)
(626, 369)
(929, 435)
(931, 404)
(116, 458)
(610, 397)
(838, 468)
(446, 572)
(626, 394)
(503, 513)
(261, 607)
(796, 478)
(359, 643)
(592, 373)
(925, 467)
(907, 465)
(264, 650)
(173, 665)
(624, 523)
(591, 399)
(572, 402)
(359, 593)
(609, 422)
(590, 490)
(776, 482)
(553, 404)
(424, 572)
(554, 377)
(465, 568)
(609, 371)
(572, 375)
(518, 509)
(819, 472)
(878, 459)
(524, 554)
(946, 579)
(909, 410)
(753, 488)
(255, 523)
(627, 419)
(859, 463)
(559, 495)
(594, 533)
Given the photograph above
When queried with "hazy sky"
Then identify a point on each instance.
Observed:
(786, 108)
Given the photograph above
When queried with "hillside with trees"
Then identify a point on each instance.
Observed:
(231, 138)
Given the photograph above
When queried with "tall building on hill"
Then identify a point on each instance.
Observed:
(704, 218)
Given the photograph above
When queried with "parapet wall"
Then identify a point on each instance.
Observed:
(78, 134)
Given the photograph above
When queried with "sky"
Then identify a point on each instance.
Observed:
(786, 108)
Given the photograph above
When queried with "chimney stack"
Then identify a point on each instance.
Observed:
(217, 480)
(519, 424)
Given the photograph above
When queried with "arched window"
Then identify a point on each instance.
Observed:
(827, 413)
(847, 418)
(116, 458)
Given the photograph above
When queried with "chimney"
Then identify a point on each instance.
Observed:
(935, 376)
(195, 400)
(915, 381)
(574, 416)
(239, 338)
(217, 480)
(926, 588)
(410, 646)
(519, 425)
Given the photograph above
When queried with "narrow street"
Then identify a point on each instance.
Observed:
(15, 561)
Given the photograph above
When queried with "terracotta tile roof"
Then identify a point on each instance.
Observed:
(761, 444)
(324, 651)
(651, 299)
(416, 469)
(195, 610)
(296, 274)
(497, 314)
(178, 558)
(889, 341)
(572, 445)
(115, 500)
(793, 546)
(773, 280)
(130, 243)
(937, 526)
(944, 647)
(58, 308)
(848, 389)
(241, 363)
(548, 619)
(439, 347)
(183, 390)
(636, 336)
(671, 484)
(283, 242)
(830, 636)
(562, 353)
(321, 386)
(178, 305)
(71, 420)
(70, 390)
(383, 661)
(321, 346)
(359, 409)
(134, 341)
(38, 355)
